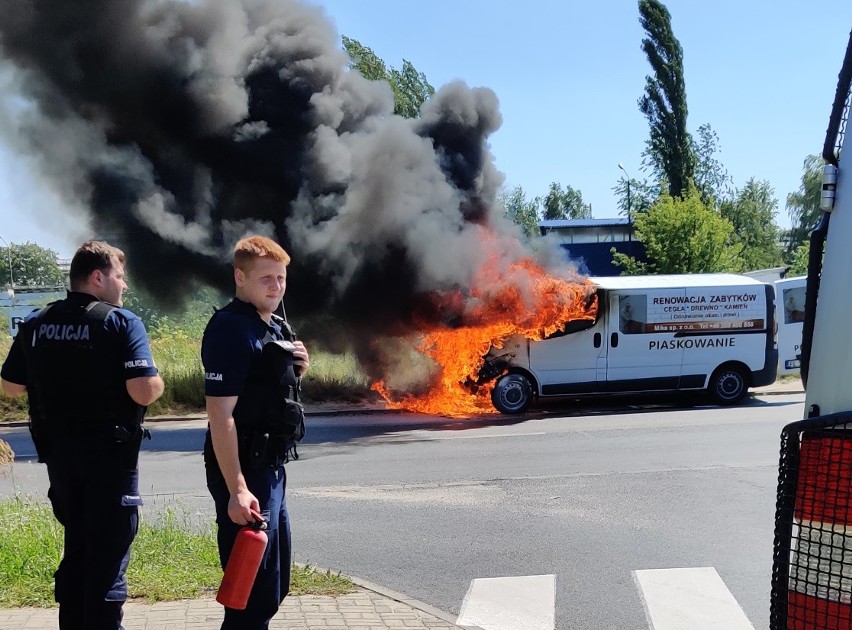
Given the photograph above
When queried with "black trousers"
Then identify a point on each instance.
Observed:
(96, 499)
(273, 577)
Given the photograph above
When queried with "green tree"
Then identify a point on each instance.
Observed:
(521, 211)
(641, 198)
(565, 204)
(682, 235)
(710, 176)
(669, 146)
(32, 265)
(410, 88)
(799, 260)
(803, 205)
(752, 213)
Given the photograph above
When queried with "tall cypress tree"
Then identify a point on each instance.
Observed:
(410, 88)
(664, 103)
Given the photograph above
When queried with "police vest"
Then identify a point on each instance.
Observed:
(76, 380)
(265, 379)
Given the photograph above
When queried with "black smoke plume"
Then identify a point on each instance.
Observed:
(183, 126)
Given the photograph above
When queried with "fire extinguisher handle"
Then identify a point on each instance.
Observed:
(259, 522)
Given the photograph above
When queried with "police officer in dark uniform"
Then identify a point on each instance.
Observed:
(86, 366)
(251, 380)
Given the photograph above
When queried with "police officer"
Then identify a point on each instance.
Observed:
(86, 366)
(245, 467)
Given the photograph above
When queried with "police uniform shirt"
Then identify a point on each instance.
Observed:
(233, 337)
(135, 357)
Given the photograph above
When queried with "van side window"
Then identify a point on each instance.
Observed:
(632, 313)
(794, 305)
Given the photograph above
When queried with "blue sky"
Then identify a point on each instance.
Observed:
(568, 76)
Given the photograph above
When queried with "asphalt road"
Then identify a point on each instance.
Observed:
(424, 505)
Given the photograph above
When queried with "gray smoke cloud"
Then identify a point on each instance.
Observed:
(183, 126)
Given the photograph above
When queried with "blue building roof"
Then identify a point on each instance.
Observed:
(583, 223)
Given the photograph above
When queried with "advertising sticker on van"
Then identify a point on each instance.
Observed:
(692, 310)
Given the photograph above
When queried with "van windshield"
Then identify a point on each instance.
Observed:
(573, 326)
(579, 325)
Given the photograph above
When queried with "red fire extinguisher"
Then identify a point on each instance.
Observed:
(243, 564)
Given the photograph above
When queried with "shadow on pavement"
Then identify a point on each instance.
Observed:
(354, 426)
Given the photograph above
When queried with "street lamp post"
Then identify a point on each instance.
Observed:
(629, 213)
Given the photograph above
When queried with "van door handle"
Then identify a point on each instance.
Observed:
(613, 340)
(597, 340)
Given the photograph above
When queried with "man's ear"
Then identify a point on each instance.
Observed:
(97, 277)
(239, 277)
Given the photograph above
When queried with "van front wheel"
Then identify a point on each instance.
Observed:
(728, 385)
(512, 394)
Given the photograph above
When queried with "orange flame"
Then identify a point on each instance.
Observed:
(526, 301)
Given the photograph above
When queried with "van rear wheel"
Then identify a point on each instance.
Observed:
(728, 385)
(512, 394)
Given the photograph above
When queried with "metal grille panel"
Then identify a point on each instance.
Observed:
(812, 563)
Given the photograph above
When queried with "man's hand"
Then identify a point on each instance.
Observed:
(301, 360)
(240, 505)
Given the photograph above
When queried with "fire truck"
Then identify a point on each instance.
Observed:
(812, 560)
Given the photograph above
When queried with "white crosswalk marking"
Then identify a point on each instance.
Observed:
(689, 599)
(510, 603)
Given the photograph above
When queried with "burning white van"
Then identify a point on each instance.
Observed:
(699, 332)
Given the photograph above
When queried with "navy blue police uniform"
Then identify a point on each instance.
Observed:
(75, 356)
(231, 352)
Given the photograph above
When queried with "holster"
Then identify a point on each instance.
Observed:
(42, 442)
(129, 442)
(256, 450)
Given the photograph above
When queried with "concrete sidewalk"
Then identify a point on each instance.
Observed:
(369, 608)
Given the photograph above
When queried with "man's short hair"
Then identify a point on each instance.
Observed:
(92, 256)
(249, 249)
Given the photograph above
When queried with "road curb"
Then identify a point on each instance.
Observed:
(778, 392)
(409, 601)
(337, 411)
(346, 411)
(394, 595)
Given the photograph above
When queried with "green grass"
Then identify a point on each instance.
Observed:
(178, 357)
(177, 353)
(307, 581)
(335, 377)
(169, 560)
(30, 549)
